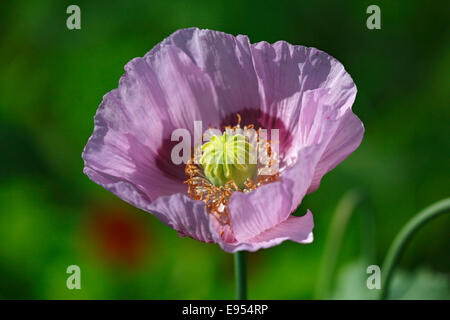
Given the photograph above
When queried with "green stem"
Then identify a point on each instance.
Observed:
(341, 217)
(400, 242)
(240, 271)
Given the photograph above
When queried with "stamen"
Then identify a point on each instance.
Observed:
(239, 118)
(216, 197)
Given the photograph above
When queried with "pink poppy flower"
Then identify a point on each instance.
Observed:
(225, 82)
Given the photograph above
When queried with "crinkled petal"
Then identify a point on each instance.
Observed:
(114, 154)
(341, 143)
(227, 60)
(330, 133)
(178, 211)
(254, 212)
(123, 189)
(260, 210)
(187, 93)
(298, 177)
(286, 70)
(335, 132)
(312, 94)
(185, 215)
(133, 125)
(298, 229)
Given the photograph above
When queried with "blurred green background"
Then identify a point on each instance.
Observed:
(51, 215)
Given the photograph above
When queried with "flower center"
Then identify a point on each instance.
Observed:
(228, 157)
(239, 160)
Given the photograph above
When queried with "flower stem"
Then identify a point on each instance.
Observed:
(400, 242)
(240, 272)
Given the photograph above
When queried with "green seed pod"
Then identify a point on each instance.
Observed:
(228, 157)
